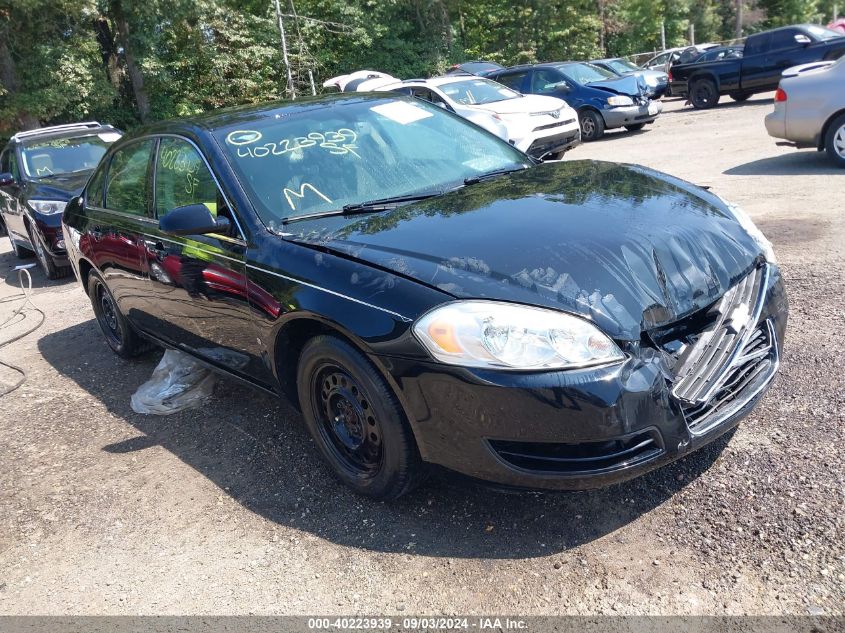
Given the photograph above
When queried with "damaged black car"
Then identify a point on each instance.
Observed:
(427, 294)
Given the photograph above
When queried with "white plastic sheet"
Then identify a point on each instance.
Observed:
(178, 382)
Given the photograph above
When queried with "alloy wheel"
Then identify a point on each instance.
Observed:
(588, 127)
(839, 141)
(41, 255)
(346, 421)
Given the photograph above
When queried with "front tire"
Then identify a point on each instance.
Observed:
(635, 127)
(116, 329)
(834, 141)
(592, 125)
(19, 251)
(739, 97)
(703, 94)
(356, 421)
(46, 260)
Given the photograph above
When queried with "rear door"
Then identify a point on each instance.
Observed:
(754, 74)
(200, 294)
(117, 210)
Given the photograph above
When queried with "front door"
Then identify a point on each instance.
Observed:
(10, 198)
(200, 293)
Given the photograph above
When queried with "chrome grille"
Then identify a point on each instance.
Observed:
(702, 367)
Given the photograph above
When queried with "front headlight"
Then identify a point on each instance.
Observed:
(499, 335)
(620, 100)
(48, 207)
(756, 234)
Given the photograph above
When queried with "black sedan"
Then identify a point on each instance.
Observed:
(429, 295)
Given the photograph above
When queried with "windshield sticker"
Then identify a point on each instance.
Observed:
(338, 142)
(290, 194)
(401, 112)
(109, 137)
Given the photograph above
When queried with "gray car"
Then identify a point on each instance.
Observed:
(656, 80)
(810, 108)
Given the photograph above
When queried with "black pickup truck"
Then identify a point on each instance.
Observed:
(766, 56)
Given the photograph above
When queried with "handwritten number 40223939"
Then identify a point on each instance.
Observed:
(339, 142)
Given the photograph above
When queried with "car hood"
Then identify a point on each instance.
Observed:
(632, 85)
(59, 187)
(527, 104)
(627, 247)
(803, 69)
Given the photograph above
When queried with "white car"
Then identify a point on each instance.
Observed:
(543, 127)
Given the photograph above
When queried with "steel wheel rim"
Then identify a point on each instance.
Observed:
(702, 93)
(107, 314)
(346, 421)
(839, 141)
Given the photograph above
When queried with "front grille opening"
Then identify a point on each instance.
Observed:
(582, 457)
(755, 365)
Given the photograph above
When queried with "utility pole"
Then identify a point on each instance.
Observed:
(662, 35)
(738, 30)
(692, 34)
(291, 90)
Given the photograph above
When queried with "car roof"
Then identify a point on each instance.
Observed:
(442, 81)
(61, 131)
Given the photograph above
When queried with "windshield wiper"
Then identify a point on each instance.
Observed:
(491, 174)
(370, 206)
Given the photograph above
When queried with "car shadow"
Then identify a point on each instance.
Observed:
(799, 163)
(725, 103)
(8, 261)
(254, 447)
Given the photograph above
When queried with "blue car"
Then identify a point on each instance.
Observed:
(603, 100)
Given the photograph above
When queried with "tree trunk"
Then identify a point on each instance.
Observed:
(738, 30)
(108, 51)
(136, 77)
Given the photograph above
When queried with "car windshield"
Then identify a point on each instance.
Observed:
(477, 92)
(322, 158)
(65, 155)
(824, 34)
(622, 66)
(586, 73)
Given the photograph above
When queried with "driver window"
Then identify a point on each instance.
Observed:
(182, 179)
(545, 81)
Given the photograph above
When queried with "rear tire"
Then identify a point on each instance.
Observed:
(834, 141)
(703, 94)
(19, 251)
(739, 97)
(592, 125)
(356, 421)
(635, 127)
(46, 260)
(118, 332)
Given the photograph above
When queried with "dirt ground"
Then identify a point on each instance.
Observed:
(230, 511)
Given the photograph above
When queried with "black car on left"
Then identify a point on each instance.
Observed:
(40, 170)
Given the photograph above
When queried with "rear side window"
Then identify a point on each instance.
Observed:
(127, 187)
(757, 44)
(545, 81)
(512, 80)
(182, 178)
(94, 190)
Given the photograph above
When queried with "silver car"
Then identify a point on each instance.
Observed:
(810, 108)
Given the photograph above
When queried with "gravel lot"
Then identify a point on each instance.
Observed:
(230, 511)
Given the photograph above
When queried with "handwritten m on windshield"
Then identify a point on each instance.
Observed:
(290, 194)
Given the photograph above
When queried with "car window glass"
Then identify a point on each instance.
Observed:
(127, 180)
(545, 81)
(13, 165)
(477, 91)
(4, 161)
(758, 44)
(182, 178)
(783, 39)
(512, 80)
(94, 189)
(63, 155)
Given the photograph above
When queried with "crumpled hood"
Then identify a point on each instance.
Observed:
(61, 187)
(623, 245)
(631, 85)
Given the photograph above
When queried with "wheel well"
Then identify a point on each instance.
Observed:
(827, 125)
(701, 76)
(84, 268)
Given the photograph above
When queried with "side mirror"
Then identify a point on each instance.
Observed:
(803, 40)
(193, 219)
(6, 179)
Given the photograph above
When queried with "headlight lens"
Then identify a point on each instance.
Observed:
(48, 207)
(620, 100)
(756, 234)
(498, 335)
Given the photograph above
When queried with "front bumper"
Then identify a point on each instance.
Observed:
(551, 138)
(571, 430)
(631, 115)
(49, 231)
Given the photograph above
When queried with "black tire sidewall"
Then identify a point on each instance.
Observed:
(401, 463)
(837, 123)
(128, 344)
(714, 94)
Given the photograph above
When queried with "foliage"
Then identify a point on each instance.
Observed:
(126, 62)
